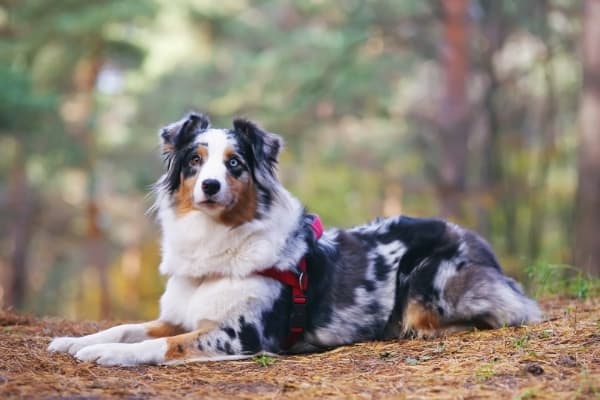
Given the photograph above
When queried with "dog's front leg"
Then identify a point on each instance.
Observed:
(154, 351)
(128, 333)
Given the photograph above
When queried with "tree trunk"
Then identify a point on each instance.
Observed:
(491, 174)
(587, 204)
(454, 114)
(547, 134)
(84, 80)
(23, 204)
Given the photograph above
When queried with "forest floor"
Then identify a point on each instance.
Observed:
(559, 358)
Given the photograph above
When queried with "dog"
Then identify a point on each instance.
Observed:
(250, 271)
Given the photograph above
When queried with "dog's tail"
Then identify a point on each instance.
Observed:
(463, 287)
(488, 298)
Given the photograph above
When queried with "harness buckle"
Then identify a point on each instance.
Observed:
(302, 284)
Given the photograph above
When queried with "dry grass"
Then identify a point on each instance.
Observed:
(557, 359)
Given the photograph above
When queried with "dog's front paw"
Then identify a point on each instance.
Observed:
(122, 354)
(67, 344)
(108, 354)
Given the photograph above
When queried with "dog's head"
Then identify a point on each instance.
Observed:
(228, 174)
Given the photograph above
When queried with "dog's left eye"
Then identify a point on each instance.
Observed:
(233, 163)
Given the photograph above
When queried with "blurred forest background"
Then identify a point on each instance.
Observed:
(486, 112)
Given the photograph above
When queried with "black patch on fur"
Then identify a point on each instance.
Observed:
(365, 332)
(514, 286)
(276, 321)
(382, 269)
(245, 147)
(427, 242)
(177, 138)
(479, 251)
(179, 167)
(334, 274)
(249, 337)
(368, 285)
(182, 133)
(264, 146)
(230, 332)
(421, 282)
(228, 348)
(373, 307)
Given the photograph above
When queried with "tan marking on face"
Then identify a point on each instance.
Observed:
(244, 202)
(184, 201)
(186, 345)
(202, 152)
(228, 153)
(184, 197)
(421, 320)
(158, 329)
(243, 192)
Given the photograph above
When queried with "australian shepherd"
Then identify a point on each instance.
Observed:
(250, 271)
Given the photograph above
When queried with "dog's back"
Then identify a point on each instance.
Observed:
(408, 277)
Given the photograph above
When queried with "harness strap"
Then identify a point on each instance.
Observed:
(298, 281)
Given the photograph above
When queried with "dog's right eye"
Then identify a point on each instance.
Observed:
(195, 161)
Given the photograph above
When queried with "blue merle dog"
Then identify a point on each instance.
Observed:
(226, 218)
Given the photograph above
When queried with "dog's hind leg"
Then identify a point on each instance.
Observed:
(127, 333)
(422, 314)
(446, 295)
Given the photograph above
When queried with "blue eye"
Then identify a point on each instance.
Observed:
(233, 163)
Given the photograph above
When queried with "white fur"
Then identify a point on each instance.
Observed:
(195, 245)
(384, 292)
(196, 248)
(186, 303)
(446, 270)
(125, 354)
(213, 167)
(392, 251)
(129, 333)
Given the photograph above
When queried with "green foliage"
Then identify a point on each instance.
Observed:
(527, 394)
(521, 342)
(264, 361)
(485, 372)
(353, 87)
(18, 98)
(560, 279)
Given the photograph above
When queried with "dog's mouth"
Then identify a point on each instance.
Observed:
(210, 204)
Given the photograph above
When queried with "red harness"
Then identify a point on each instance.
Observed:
(298, 281)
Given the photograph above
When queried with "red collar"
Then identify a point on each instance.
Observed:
(298, 281)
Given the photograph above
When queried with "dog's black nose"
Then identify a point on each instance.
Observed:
(210, 186)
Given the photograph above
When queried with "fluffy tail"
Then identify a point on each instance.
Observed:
(490, 297)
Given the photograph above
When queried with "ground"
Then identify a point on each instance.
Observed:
(559, 358)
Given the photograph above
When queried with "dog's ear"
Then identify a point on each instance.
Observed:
(176, 135)
(265, 145)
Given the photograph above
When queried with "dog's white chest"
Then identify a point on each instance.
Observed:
(187, 301)
(196, 246)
